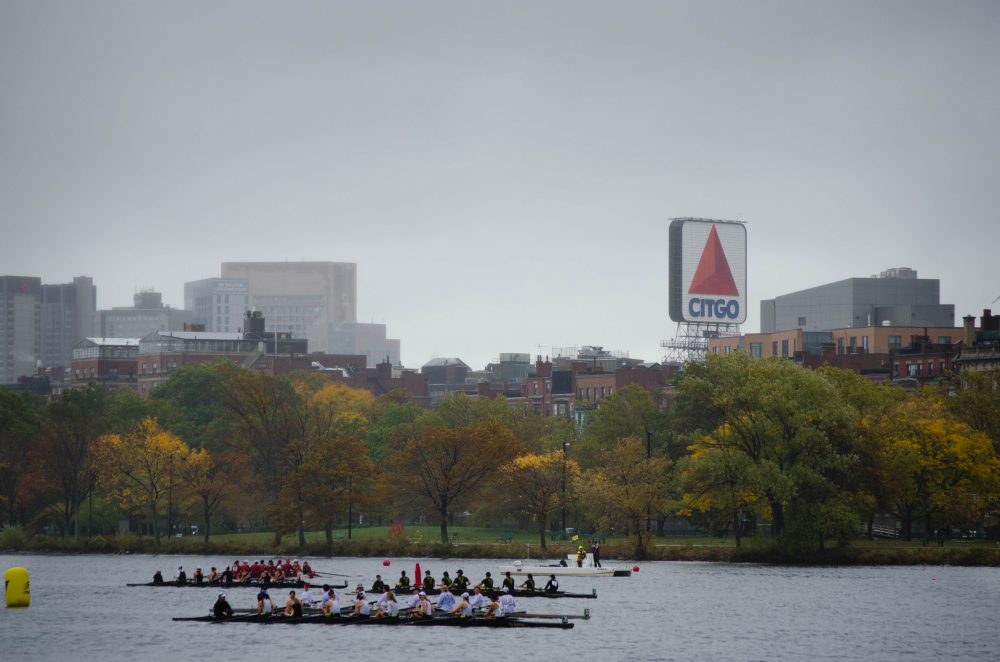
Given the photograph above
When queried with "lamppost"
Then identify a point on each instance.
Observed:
(565, 445)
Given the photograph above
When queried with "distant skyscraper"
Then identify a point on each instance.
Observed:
(367, 339)
(40, 324)
(147, 314)
(218, 303)
(303, 298)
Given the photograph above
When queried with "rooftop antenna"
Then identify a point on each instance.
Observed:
(994, 301)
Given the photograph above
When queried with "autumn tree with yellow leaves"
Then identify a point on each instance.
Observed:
(533, 484)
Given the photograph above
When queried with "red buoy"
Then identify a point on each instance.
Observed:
(635, 568)
(385, 562)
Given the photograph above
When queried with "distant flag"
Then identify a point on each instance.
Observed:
(575, 538)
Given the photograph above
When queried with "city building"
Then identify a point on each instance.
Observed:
(147, 313)
(301, 298)
(793, 343)
(40, 324)
(510, 368)
(896, 297)
(446, 375)
(980, 348)
(367, 339)
(218, 303)
(110, 362)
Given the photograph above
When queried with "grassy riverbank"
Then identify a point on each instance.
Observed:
(471, 542)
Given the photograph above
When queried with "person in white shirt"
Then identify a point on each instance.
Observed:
(463, 608)
(446, 601)
(478, 600)
(425, 608)
(414, 599)
(361, 607)
(331, 605)
(388, 606)
(307, 598)
(506, 601)
(382, 600)
(494, 609)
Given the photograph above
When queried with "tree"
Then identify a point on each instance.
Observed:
(939, 468)
(65, 451)
(21, 416)
(442, 464)
(533, 484)
(209, 480)
(141, 467)
(976, 402)
(627, 486)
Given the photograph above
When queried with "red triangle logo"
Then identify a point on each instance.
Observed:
(713, 275)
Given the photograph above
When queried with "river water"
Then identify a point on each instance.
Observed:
(82, 610)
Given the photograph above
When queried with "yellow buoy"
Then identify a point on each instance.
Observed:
(17, 587)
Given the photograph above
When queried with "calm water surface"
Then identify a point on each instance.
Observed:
(81, 610)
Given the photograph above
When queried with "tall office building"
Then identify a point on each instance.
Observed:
(218, 303)
(302, 298)
(361, 338)
(896, 297)
(40, 324)
(147, 314)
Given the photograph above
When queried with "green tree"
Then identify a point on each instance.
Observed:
(21, 418)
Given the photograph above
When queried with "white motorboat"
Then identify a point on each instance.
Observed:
(568, 568)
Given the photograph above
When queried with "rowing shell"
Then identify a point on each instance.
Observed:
(520, 593)
(502, 622)
(251, 584)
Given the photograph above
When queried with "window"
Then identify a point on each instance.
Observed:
(784, 348)
(774, 348)
(727, 349)
(840, 345)
(944, 340)
(755, 349)
(802, 321)
(895, 342)
(864, 343)
(853, 344)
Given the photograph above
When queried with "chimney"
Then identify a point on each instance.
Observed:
(969, 322)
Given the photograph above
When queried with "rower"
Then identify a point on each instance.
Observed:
(264, 606)
(378, 586)
(157, 577)
(180, 577)
(445, 581)
(508, 581)
(425, 609)
(461, 582)
(297, 570)
(463, 608)
(361, 607)
(428, 581)
(487, 583)
(307, 597)
(415, 599)
(494, 608)
(404, 582)
(446, 601)
(478, 600)
(529, 584)
(331, 605)
(221, 608)
(307, 570)
(506, 601)
(199, 576)
(552, 585)
(387, 608)
(213, 576)
(382, 600)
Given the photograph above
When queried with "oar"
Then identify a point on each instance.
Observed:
(330, 574)
(524, 614)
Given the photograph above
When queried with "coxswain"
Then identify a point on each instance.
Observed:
(580, 556)
(378, 586)
(487, 583)
(227, 576)
(446, 601)
(508, 581)
(478, 600)
(506, 601)
(445, 581)
(461, 582)
(180, 577)
(429, 582)
(361, 607)
(404, 582)
(157, 577)
(552, 585)
(221, 608)
(493, 609)
(264, 606)
(463, 608)
(294, 606)
(199, 576)
(307, 597)
(331, 605)
(213, 576)
(529, 584)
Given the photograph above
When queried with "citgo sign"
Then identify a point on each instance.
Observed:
(708, 271)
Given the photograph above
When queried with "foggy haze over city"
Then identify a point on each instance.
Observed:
(502, 174)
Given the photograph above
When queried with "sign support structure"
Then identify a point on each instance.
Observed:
(708, 284)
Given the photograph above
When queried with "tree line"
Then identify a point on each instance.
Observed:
(738, 446)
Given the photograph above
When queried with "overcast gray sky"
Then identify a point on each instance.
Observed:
(501, 172)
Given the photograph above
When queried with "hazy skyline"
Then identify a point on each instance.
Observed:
(502, 173)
